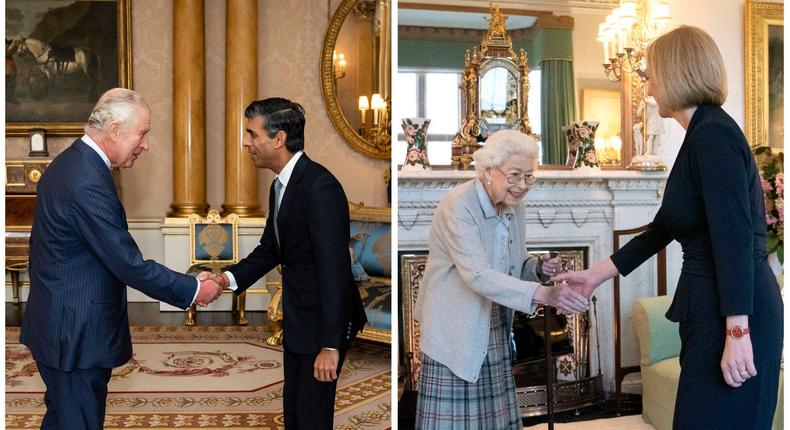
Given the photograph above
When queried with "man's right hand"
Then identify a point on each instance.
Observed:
(221, 279)
(209, 291)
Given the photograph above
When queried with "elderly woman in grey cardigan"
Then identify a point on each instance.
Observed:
(477, 274)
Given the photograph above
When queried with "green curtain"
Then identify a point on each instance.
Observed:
(557, 106)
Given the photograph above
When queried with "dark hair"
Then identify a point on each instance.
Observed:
(280, 114)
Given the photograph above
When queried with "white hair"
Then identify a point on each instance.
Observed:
(502, 145)
(117, 104)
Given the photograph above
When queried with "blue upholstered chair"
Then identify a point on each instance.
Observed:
(371, 264)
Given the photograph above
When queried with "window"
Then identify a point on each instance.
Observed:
(435, 95)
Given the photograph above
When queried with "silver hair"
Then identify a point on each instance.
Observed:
(502, 145)
(117, 104)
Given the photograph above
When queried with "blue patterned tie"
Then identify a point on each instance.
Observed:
(278, 187)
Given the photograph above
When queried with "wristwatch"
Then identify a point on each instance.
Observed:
(737, 331)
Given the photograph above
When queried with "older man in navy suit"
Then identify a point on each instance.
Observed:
(81, 259)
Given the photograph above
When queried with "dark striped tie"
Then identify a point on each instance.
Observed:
(278, 187)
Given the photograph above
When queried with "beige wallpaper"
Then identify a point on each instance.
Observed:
(290, 39)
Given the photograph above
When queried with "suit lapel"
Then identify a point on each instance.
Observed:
(288, 197)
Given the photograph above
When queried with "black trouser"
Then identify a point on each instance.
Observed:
(308, 403)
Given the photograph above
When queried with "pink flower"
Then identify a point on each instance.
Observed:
(765, 184)
(590, 156)
(409, 130)
(413, 155)
(584, 132)
(410, 140)
(779, 183)
(780, 208)
(770, 219)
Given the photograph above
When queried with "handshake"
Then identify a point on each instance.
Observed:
(211, 286)
(571, 291)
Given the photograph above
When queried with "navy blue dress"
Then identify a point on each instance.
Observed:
(714, 206)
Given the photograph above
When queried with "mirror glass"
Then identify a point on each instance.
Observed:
(498, 100)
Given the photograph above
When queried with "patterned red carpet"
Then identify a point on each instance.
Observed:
(205, 377)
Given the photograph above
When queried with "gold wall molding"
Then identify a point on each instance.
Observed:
(758, 16)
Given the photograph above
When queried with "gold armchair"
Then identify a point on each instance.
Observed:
(213, 247)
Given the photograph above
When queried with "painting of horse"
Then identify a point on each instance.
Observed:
(60, 56)
(56, 62)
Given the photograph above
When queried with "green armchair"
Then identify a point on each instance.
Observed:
(659, 347)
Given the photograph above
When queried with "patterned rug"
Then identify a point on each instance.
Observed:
(205, 377)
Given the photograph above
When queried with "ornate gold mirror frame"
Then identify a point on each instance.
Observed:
(378, 146)
(496, 50)
(759, 18)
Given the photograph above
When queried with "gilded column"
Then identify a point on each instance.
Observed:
(189, 109)
(241, 88)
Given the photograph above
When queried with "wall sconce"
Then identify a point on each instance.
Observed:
(379, 131)
(338, 65)
(625, 34)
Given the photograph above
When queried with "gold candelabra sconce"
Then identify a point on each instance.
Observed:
(627, 31)
(625, 35)
(377, 131)
(338, 65)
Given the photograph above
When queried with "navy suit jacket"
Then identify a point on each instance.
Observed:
(81, 259)
(321, 304)
(714, 206)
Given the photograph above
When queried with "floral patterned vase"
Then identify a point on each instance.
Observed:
(416, 130)
(581, 150)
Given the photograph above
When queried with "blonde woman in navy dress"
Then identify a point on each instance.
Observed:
(727, 300)
(477, 274)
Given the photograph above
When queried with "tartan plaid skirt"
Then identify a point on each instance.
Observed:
(445, 401)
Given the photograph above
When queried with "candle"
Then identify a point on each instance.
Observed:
(377, 104)
(363, 106)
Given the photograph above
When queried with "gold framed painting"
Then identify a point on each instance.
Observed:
(60, 56)
(764, 74)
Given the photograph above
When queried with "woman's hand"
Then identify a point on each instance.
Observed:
(564, 298)
(737, 361)
(550, 266)
(584, 281)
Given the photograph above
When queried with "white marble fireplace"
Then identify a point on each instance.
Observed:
(564, 209)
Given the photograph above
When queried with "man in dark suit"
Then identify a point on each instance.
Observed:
(307, 233)
(81, 259)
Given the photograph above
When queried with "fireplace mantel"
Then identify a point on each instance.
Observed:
(564, 208)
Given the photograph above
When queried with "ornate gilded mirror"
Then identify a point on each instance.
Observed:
(355, 75)
(494, 87)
